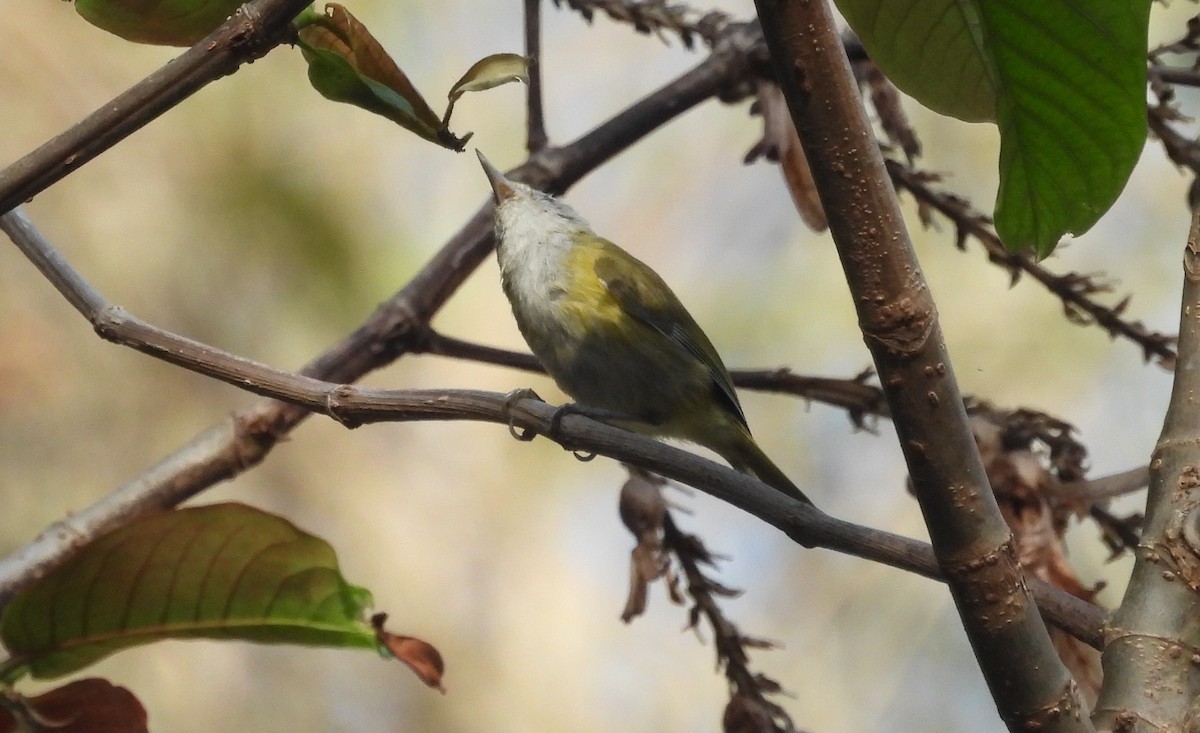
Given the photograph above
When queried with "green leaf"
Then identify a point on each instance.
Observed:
(336, 79)
(346, 64)
(225, 571)
(486, 73)
(161, 22)
(1064, 81)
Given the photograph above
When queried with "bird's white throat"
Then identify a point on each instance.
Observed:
(535, 232)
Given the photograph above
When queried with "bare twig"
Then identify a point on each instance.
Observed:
(860, 399)
(1174, 75)
(656, 16)
(1106, 487)
(1074, 290)
(535, 119)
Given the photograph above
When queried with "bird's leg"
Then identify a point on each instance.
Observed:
(598, 414)
(510, 400)
(595, 413)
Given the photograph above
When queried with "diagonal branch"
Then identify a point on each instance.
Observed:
(1154, 633)
(250, 33)
(899, 321)
(395, 328)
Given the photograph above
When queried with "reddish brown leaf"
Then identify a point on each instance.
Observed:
(781, 143)
(643, 509)
(421, 657)
(89, 705)
(346, 36)
(751, 713)
(1026, 490)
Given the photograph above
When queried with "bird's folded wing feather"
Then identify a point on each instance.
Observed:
(676, 327)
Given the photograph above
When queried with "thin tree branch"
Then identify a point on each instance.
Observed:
(245, 440)
(1074, 290)
(1175, 75)
(1105, 487)
(896, 312)
(853, 395)
(535, 119)
(1155, 633)
(234, 445)
(252, 31)
(657, 17)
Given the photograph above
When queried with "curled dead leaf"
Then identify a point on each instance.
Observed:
(420, 656)
(90, 705)
(643, 510)
(486, 73)
(1026, 489)
(780, 143)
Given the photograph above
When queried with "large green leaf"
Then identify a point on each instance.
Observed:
(1064, 81)
(225, 571)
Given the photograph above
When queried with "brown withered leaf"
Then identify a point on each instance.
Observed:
(1026, 489)
(781, 144)
(643, 510)
(421, 657)
(751, 713)
(90, 705)
(347, 64)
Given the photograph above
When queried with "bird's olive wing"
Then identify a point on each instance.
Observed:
(644, 296)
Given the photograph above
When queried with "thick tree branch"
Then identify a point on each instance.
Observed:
(896, 312)
(1155, 633)
(251, 32)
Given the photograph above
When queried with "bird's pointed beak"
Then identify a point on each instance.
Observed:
(502, 188)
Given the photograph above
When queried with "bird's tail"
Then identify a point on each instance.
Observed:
(747, 457)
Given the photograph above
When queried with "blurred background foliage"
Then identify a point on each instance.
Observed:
(262, 219)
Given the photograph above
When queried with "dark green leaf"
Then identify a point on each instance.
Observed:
(1064, 81)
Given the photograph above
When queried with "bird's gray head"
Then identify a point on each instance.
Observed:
(523, 212)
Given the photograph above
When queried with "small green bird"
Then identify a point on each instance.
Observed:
(613, 335)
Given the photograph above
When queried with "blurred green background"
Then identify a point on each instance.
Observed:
(264, 220)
